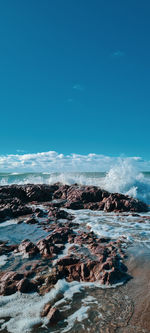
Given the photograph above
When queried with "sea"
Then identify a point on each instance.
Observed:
(88, 307)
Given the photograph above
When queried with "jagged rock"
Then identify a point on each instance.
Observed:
(31, 220)
(55, 213)
(13, 199)
(54, 316)
(46, 309)
(4, 248)
(8, 283)
(40, 193)
(26, 286)
(27, 248)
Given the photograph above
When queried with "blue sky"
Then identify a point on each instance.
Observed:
(75, 77)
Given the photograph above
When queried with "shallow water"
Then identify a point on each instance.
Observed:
(15, 233)
(85, 307)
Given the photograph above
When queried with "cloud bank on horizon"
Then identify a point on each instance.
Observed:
(52, 161)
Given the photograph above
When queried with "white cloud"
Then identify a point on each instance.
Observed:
(118, 54)
(52, 161)
(79, 87)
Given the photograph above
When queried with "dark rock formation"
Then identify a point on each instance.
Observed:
(27, 249)
(14, 200)
(56, 214)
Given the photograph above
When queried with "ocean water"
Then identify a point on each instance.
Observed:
(122, 178)
(88, 307)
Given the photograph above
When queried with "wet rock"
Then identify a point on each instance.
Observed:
(44, 247)
(74, 205)
(46, 310)
(59, 235)
(7, 288)
(122, 203)
(55, 213)
(48, 248)
(13, 210)
(31, 220)
(56, 203)
(40, 193)
(13, 199)
(54, 316)
(11, 276)
(26, 286)
(11, 282)
(28, 248)
(61, 192)
(12, 191)
(4, 248)
(84, 194)
(8, 283)
(40, 213)
(68, 260)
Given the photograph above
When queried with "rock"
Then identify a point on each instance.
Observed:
(74, 205)
(59, 235)
(55, 213)
(28, 248)
(12, 191)
(68, 260)
(11, 276)
(31, 220)
(26, 286)
(123, 203)
(84, 194)
(46, 309)
(40, 193)
(13, 200)
(44, 247)
(8, 283)
(7, 288)
(40, 213)
(4, 249)
(48, 248)
(54, 316)
(12, 210)
(61, 192)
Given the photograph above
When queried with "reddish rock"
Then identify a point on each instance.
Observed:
(8, 283)
(68, 260)
(74, 205)
(26, 286)
(11, 276)
(28, 248)
(59, 235)
(7, 288)
(61, 192)
(44, 247)
(4, 248)
(84, 194)
(54, 316)
(46, 310)
(55, 213)
(13, 209)
(40, 193)
(31, 220)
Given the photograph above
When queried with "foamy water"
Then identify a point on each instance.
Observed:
(87, 307)
(122, 178)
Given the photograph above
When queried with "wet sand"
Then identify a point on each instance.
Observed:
(138, 289)
(125, 309)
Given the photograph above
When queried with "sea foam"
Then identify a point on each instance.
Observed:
(124, 177)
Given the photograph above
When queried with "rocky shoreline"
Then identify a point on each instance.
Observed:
(67, 252)
(14, 199)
